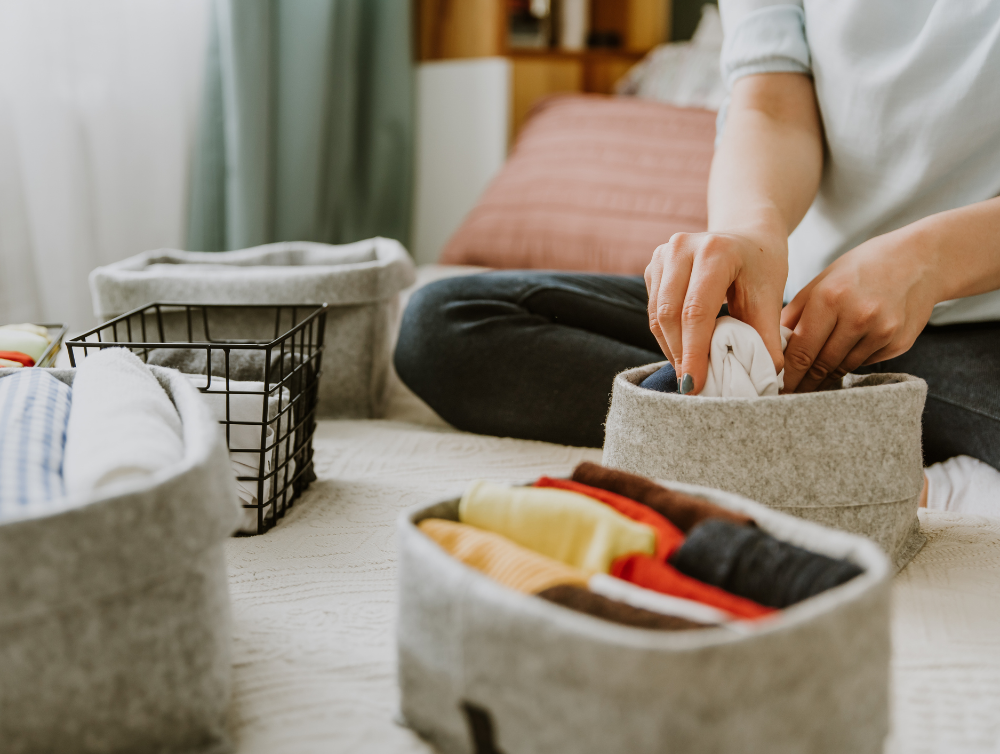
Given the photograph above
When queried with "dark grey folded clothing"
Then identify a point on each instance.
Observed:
(749, 562)
(246, 365)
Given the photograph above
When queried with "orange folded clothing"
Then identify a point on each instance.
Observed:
(19, 357)
(650, 573)
(496, 556)
(668, 537)
(685, 511)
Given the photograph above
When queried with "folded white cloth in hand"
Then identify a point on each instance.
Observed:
(963, 485)
(739, 365)
(122, 424)
(34, 407)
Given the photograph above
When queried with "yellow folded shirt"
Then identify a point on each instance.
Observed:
(563, 525)
(503, 561)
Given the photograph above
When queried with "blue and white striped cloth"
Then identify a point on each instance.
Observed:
(34, 409)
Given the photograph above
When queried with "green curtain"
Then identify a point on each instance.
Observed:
(306, 128)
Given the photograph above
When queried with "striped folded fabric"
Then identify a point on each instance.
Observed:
(34, 409)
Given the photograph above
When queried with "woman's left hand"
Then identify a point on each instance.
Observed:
(868, 306)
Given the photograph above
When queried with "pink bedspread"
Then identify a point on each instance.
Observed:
(594, 184)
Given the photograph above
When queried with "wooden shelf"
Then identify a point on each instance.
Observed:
(450, 29)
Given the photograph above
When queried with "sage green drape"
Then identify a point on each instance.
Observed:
(306, 129)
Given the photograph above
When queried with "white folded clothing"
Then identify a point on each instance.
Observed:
(246, 404)
(739, 365)
(34, 408)
(122, 425)
(636, 596)
(963, 485)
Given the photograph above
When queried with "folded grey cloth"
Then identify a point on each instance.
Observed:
(246, 365)
(751, 563)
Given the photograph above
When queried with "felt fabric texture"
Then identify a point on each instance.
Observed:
(663, 380)
(751, 563)
(811, 678)
(34, 409)
(122, 426)
(847, 458)
(685, 511)
(739, 365)
(503, 561)
(650, 573)
(647, 599)
(668, 536)
(583, 600)
(566, 526)
(115, 630)
(359, 281)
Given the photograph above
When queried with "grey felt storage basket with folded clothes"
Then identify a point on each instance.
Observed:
(847, 458)
(360, 282)
(115, 629)
(483, 668)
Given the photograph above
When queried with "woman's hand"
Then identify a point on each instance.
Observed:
(868, 306)
(693, 274)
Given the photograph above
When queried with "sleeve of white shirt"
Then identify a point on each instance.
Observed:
(760, 36)
(763, 37)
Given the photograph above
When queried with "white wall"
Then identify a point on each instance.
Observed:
(462, 117)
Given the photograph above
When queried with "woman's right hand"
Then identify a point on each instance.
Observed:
(693, 274)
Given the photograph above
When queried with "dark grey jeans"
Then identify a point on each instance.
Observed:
(533, 355)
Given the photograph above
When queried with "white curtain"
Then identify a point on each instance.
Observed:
(98, 107)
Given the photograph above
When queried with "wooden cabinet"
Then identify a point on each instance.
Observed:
(449, 29)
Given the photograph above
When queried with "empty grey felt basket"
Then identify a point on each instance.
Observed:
(541, 678)
(115, 630)
(360, 281)
(848, 458)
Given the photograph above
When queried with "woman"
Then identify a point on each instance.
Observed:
(869, 129)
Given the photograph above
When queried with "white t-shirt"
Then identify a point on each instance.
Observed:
(909, 94)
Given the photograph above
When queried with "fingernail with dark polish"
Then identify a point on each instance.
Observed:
(687, 384)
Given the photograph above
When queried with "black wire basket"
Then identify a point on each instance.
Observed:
(263, 389)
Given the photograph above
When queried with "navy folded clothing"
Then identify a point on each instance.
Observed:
(663, 380)
(749, 562)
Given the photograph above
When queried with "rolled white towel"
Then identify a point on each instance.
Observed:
(739, 365)
(122, 425)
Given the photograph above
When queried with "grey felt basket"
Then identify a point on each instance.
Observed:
(847, 458)
(478, 661)
(115, 629)
(360, 282)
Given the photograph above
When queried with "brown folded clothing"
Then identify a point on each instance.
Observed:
(585, 601)
(685, 511)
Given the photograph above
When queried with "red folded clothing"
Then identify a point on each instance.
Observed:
(650, 573)
(668, 537)
(22, 358)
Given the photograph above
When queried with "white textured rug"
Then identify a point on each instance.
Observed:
(314, 600)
